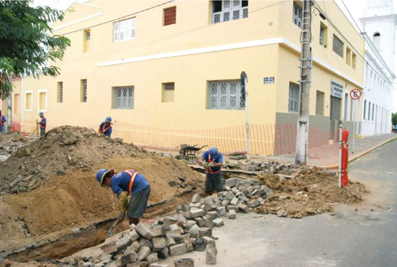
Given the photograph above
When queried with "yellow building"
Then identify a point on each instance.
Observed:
(168, 73)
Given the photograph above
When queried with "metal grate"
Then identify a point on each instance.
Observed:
(124, 30)
(293, 100)
(337, 46)
(84, 91)
(297, 18)
(60, 94)
(225, 95)
(230, 10)
(124, 97)
(168, 92)
(170, 16)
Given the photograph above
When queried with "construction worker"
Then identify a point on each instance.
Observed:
(212, 162)
(106, 127)
(2, 123)
(42, 124)
(127, 183)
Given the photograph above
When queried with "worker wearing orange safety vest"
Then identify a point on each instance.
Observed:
(127, 183)
(106, 127)
(212, 162)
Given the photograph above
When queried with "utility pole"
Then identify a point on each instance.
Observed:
(305, 82)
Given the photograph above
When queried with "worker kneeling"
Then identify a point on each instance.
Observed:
(212, 162)
(127, 183)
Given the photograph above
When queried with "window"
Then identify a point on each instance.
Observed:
(83, 90)
(373, 110)
(297, 16)
(42, 100)
(351, 108)
(60, 92)
(365, 109)
(348, 55)
(354, 61)
(87, 37)
(293, 100)
(338, 46)
(346, 106)
(124, 97)
(169, 16)
(226, 10)
(226, 95)
(168, 92)
(16, 104)
(319, 103)
(124, 30)
(28, 101)
(323, 35)
(376, 40)
(369, 111)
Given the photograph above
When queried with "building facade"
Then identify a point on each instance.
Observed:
(170, 73)
(379, 27)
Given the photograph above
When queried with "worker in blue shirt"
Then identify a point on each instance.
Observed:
(106, 127)
(127, 183)
(212, 162)
(2, 123)
(42, 124)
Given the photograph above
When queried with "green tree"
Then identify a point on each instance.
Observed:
(27, 45)
(394, 118)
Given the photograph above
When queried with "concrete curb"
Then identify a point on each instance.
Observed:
(359, 155)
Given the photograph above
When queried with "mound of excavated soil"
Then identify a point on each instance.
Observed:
(76, 199)
(62, 149)
(312, 191)
(11, 142)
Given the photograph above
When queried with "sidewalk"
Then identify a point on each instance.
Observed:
(328, 156)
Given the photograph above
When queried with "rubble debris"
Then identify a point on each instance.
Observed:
(10, 143)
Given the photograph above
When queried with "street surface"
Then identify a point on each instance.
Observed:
(363, 235)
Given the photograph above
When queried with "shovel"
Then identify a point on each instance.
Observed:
(111, 228)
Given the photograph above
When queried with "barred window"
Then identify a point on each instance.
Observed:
(338, 46)
(83, 91)
(226, 95)
(60, 92)
(124, 30)
(293, 100)
(170, 16)
(168, 92)
(124, 97)
(297, 17)
(225, 10)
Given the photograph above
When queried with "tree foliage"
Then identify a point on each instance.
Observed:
(394, 118)
(27, 45)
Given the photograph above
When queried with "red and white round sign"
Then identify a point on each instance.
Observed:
(355, 94)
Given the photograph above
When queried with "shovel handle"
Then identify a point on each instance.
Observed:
(111, 228)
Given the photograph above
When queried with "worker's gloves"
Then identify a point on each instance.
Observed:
(211, 164)
(121, 216)
(123, 201)
(205, 165)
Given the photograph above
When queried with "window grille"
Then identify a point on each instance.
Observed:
(170, 16)
(297, 17)
(87, 35)
(168, 92)
(226, 10)
(60, 92)
(338, 46)
(84, 91)
(293, 100)
(124, 97)
(226, 95)
(320, 103)
(124, 30)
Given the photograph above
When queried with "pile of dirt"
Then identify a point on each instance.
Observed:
(76, 200)
(12, 142)
(62, 149)
(312, 191)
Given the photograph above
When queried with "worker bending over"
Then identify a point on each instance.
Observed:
(106, 127)
(212, 162)
(127, 183)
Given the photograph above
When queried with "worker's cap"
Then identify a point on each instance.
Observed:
(41, 114)
(101, 174)
(108, 119)
(214, 153)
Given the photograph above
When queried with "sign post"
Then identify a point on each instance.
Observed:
(355, 94)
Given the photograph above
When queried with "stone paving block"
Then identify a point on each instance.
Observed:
(230, 195)
(195, 205)
(253, 203)
(194, 213)
(235, 191)
(221, 211)
(156, 230)
(175, 234)
(143, 253)
(200, 221)
(194, 231)
(152, 258)
(231, 207)
(243, 198)
(159, 243)
(190, 224)
(134, 235)
(196, 198)
(231, 182)
(144, 231)
(209, 240)
(164, 253)
(123, 242)
(130, 257)
(265, 191)
(184, 208)
(213, 214)
(205, 232)
(208, 221)
(135, 246)
(188, 243)
(169, 220)
(145, 242)
(243, 208)
(234, 201)
(218, 222)
(210, 253)
(225, 202)
(179, 249)
(232, 214)
(110, 248)
(199, 244)
(170, 241)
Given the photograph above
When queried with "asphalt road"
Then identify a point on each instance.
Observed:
(366, 237)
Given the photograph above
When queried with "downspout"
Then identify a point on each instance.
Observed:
(22, 103)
